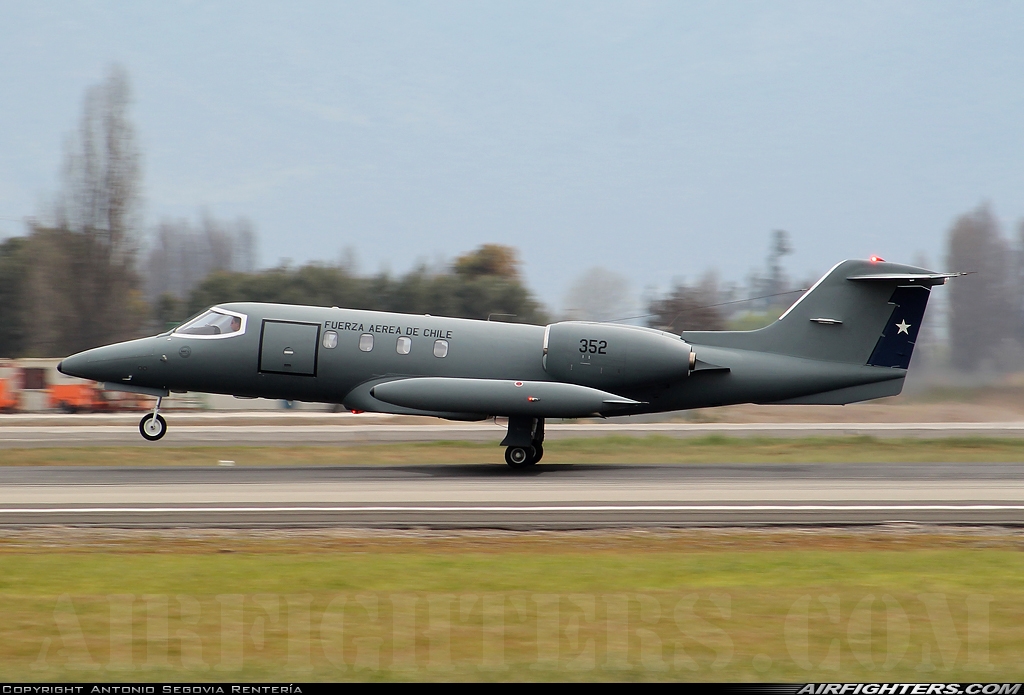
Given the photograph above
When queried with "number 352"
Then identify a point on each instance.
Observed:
(594, 347)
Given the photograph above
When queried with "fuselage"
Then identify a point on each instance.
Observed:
(849, 338)
(337, 355)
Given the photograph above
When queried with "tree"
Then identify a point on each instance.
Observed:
(14, 269)
(598, 295)
(689, 307)
(981, 312)
(83, 290)
(779, 247)
(182, 256)
(1017, 283)
(463, 294)
(765, 286)
(490, 259)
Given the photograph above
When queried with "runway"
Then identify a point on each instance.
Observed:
(492, 496)
(95, 431)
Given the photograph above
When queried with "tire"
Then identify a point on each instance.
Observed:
(538, 452)
(152, 428)
(519, 457)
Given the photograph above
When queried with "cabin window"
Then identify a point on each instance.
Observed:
(404, 345)
(214, 322)
(440, 348)
(366, 342)
(330, 340)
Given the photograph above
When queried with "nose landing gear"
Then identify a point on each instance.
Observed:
(153, 426)
(524, 442)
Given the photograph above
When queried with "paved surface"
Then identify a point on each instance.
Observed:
(492, 496)
(295, 434)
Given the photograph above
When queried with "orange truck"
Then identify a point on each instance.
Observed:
(75, 398)
(8, 397)
(90, 398)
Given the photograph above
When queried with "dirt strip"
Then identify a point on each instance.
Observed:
(896, 537)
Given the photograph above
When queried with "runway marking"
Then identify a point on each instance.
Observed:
(528, 509)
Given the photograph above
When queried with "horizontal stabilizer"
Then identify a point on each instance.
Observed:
(499, 397)
(925, 279)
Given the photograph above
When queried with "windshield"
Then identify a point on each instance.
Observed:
(213, 322)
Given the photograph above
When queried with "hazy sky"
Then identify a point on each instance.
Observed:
(655, 139)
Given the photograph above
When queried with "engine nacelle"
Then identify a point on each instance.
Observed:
(608, 356)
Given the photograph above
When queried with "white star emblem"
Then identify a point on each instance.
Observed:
(903, 326)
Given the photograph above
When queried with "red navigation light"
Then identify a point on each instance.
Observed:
(876, 259)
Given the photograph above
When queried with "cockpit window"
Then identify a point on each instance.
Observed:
(215, 322)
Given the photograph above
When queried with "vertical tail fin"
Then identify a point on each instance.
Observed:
(860, 312)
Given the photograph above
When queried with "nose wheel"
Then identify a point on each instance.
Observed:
(153, 426)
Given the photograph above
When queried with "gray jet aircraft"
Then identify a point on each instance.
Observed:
(848, 338)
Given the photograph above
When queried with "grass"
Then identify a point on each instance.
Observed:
(693, 605)
(650, 449)
(756, 605)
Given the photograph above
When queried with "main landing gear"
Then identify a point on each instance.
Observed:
(524, 442)
(153, 426)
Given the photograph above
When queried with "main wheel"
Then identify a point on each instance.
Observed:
(538, 452)
(519, 457)
(153, 427)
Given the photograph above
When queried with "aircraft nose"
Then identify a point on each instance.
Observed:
(75, 365)
(108, 363)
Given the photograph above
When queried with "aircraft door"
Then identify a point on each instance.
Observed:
(289, 347)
